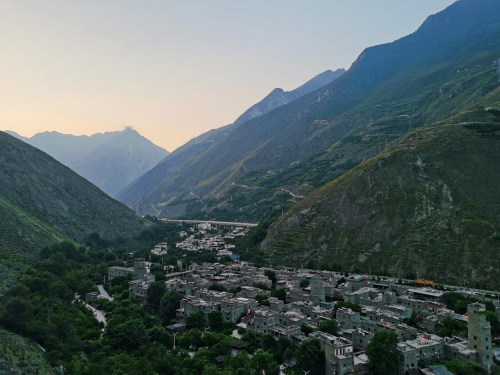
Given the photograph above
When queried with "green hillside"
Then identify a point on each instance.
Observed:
(428, 205)
(43, 202)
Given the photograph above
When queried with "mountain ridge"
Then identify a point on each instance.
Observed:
(389, 90)
(131, 193)
(80, 153)
(43, 202)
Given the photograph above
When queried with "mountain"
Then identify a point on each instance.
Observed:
(109, 160)
(279, 97)
(429, 205)
(147, 182)
(271, 161)
(35, 184)
(119, 161)
(43, 201)
(66, 148)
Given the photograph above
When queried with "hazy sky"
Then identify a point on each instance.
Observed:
(175, 69)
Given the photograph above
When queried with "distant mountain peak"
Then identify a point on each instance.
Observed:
(129, 129)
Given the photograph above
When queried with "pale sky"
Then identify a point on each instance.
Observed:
(175, 69)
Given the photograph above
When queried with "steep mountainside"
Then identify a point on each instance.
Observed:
(428, 205)
(273, 160)
(41, 200)
(119, 161)
(149, 180)
(279, 97)
(146, 183)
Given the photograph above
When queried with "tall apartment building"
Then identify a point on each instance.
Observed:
(480, 333)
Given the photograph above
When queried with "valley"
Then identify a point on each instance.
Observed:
(348, 225)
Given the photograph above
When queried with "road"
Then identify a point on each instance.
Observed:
(97, 314)
(298, 196)
(227, 223)
(103, 293)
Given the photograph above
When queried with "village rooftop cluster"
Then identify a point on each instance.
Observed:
(385, 305)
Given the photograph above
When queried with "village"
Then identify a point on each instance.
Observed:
(361, 305)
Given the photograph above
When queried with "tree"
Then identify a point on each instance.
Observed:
(329, 326)
(279, 294)
(16, 314)
(169, 303)
(217, 287)
(349, 305)
(494, 321)
(215, 320)
(288, 355)
(262, 360)
(412, 320)
(261, 298)
(155, 292)
(453, 327)
(261, 286)
(195, 320)
(460, 307)
(284, 343)
(129, 335)
(460, 367)
(306, 330)
(304, 283)
(267, 342)
(383, 356)
(310, 357)
(271, 275)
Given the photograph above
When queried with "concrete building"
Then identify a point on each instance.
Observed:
(340, 358)
(191, 304)
(424, 347)
(348, 319)
(136, 272)
(260, 320)
(284, 331)
(138, 289)
(317, 289)
(479, 333)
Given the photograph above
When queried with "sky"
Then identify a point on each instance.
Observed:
(176, 69)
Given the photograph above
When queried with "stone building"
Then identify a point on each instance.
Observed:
(479, 333)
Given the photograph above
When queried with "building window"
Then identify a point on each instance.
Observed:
(475, 337)
(475, 346)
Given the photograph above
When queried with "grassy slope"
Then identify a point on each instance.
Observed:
(19, 355)
(429, 205)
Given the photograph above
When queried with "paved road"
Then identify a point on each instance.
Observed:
(103, 293)
(97, 314)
